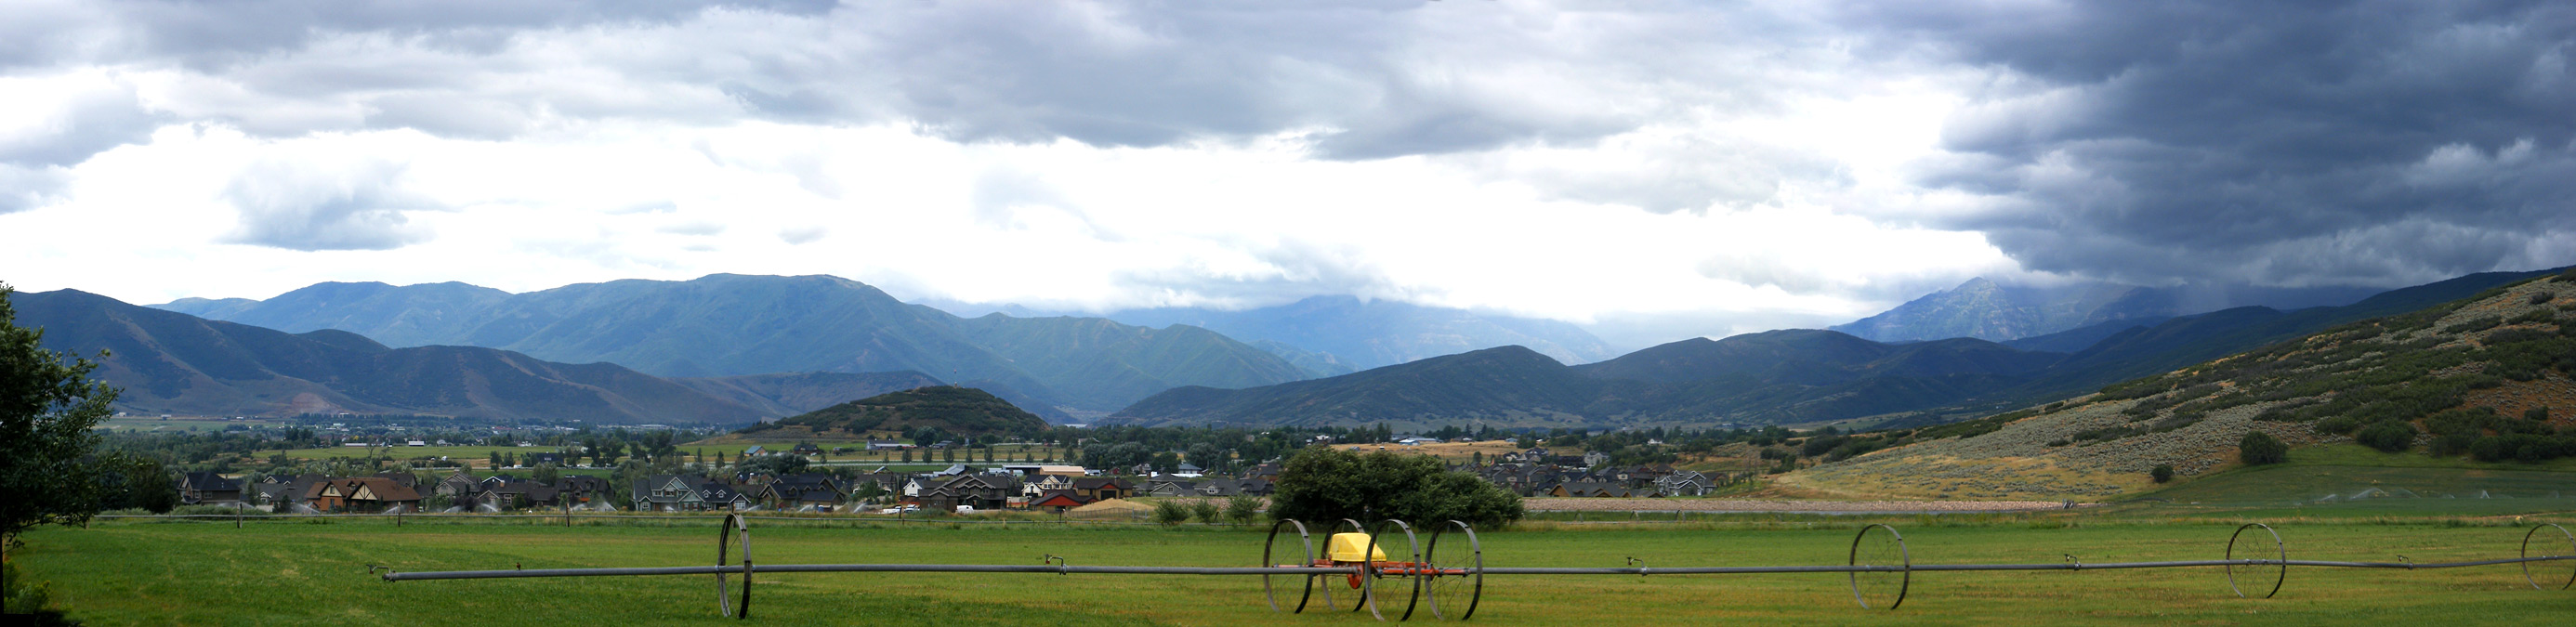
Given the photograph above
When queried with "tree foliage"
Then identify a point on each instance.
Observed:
(2259, 448)
(47, 406)
(1323, 484)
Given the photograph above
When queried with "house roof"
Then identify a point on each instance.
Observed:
(378, 488)
(206, 481)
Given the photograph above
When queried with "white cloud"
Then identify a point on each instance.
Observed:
(1689, 168)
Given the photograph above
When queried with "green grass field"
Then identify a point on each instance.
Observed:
(124, 572)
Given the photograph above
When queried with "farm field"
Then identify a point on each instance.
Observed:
(156, 424)
(129, 572)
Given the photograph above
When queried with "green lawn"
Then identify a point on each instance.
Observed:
(314, 573)
(2390, 484)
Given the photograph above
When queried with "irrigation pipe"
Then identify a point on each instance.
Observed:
(1429, 572)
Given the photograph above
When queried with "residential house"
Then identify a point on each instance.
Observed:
(981, 490)
(1058, 500)
(207, 488)
(1170, 486)
(1103, 488)
(456, 486)
(1595, 458)
(504, 493)
(366, 495)
(673, 493)
(805, 448)
(1684, 483)
(581, 489)
(792, 491)
(1042, 484)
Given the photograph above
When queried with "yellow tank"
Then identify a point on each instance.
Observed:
(1348, 547)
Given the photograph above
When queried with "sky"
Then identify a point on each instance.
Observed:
(1651, 170)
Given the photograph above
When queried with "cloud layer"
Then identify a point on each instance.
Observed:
(1678, 168)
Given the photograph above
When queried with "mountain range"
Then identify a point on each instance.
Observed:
(170, 362)
(1326, 333)
(1984, 309)
(1778, 377)
(730, 325)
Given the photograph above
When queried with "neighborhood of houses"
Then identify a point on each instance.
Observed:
(959, 487)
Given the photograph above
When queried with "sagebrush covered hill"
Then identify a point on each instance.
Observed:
(2487, 378)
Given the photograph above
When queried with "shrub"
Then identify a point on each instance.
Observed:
(1207, 511)
(2542, 316)
(2259, 448)
(1171, 512)
(2522, 447)
(2542, 297)
(2473, 325)
(2390, 436)
(2536, 414)
(2163, 473)
(2339, 425)
(1242, 509)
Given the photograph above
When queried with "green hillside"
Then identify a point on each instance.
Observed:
(958, 410)
(2480, 380)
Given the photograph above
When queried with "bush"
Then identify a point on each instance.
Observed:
(1242, 508)
(2339, 425)
(2522, 447)
(1171, 512)
(28, 600)
(1324, 484)
(2390, 436)
(1207, 511)
(2542, 297)
(2473, 325)
(2162, 474)
(2536, 414)
(2259, 448)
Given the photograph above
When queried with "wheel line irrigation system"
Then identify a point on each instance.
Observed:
(1446, 582)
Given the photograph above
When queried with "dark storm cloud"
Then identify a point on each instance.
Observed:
(2287, 143)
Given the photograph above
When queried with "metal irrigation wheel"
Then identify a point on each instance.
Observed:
(2562, 547)
(2254, 572)
(1453, 596)
(1361, 584)
(1412, 560)
(733, 531)
(1304, 558)
(1892, 567)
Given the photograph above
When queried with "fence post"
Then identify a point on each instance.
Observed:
(237, 516)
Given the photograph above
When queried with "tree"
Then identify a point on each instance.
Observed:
(1171, 512)
(2387, 435)
(1207, 511)
(2162, 473)
(48, 473)
(2259, 448)
(1242, 508)
(1321, 483)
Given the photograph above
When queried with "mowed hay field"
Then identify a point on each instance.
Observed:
(315, 573)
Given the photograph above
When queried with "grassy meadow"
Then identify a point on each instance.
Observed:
(134, 572)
